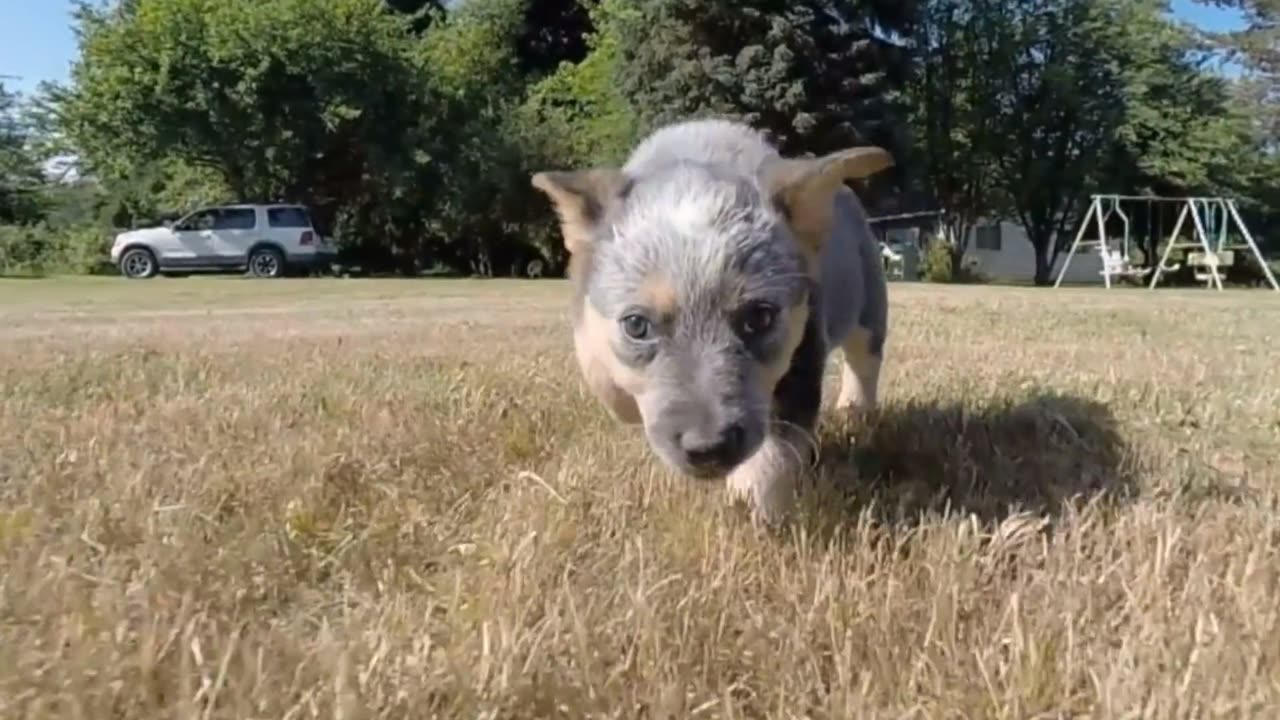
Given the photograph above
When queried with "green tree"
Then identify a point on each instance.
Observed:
(1022, 108)
(954, 104)
(1257, 95)
(552, 32)
(474, 60)
(1177, 128)
(1258, 42)
(1060, 109)
(1260, 186)
(21, 177)
(578, 116)
(490, 56)
(312, 102)
(1181, 133)
(811, 73)
(423, 12)
(398, 122)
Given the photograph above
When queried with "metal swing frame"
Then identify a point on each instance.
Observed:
(1117, 263)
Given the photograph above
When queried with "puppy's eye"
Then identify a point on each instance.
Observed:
(757, 319)
(636, 327)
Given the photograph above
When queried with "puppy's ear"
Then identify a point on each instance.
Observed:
(805, 188)
(581, 198)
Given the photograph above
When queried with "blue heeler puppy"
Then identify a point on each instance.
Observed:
(713, 277)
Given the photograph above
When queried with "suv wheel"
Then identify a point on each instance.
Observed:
(266, 263)
(138, 263)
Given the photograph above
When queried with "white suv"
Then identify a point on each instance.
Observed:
(266, 240)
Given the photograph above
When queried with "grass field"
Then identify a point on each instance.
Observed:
(229, 498)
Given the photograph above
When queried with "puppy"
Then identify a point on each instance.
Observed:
(712, 278)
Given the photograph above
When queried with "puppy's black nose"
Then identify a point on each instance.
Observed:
(715, 449)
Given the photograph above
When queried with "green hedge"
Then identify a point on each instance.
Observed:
(42, 250)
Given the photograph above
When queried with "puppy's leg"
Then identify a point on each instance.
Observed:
(862, 354)
(768, 480)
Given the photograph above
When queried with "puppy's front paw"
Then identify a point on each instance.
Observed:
(858, 413)
(768, 480)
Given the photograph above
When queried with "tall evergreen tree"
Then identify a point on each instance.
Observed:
(1258, 42)
(1257, 47)
(425, 10)
(553, 32)
(814, 74)
(20, 174)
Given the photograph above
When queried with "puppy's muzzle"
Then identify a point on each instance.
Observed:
(714, 451)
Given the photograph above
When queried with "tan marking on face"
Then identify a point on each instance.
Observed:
(771, 373)
(614, 384)
(659, 295)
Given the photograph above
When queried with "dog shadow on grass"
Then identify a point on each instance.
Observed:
(1040, 455)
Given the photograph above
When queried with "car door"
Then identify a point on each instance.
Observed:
(234, 232)
(163, 241)
(193, 236)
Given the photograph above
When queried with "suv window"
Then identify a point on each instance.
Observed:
(235, 219)
(288, 217)
(202, 220)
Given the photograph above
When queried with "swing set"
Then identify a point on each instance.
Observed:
(1211, 238)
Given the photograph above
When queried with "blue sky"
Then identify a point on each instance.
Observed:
(36, 42)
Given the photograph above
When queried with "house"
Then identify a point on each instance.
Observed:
(904, 221)
(901, 221)
(1000, 250)
(1003, 253)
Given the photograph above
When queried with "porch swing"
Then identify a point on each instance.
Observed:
(1209, 250)
(1116, 262)
(1207, 264)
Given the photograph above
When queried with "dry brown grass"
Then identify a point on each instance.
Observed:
(361, 499)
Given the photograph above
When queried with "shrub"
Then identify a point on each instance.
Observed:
(936, 264)
(39, 250)
(81, 250)
(21, 250)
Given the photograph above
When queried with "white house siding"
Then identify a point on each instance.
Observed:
(1015, 261)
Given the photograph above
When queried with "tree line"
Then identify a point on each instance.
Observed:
(411, 127)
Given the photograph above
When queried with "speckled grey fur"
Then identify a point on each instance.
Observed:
(695, 211)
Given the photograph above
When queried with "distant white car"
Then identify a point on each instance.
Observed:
(266, 240)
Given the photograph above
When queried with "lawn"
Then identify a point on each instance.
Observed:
(331, 498)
